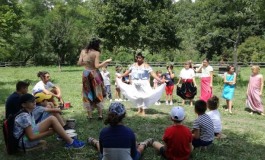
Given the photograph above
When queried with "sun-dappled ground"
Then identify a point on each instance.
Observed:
(246, 133)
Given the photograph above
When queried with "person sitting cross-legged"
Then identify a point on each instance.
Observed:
(177, 138)
(117, 141)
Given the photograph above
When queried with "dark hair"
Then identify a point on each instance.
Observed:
(213, 103)
(113, 119)
(93, 44)
(170, 66)
(139, 55)
(229, 67)
(21, 85)
(41, 74)
(200, 106)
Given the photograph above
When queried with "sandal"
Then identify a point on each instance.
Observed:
(147, 143)
(92, 141)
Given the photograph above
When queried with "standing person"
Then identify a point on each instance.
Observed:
(203, 129)
(93, 86)
(157, 83)
(25, 124)
(45, 86)
(254, 91)
(118, 142)
(206, 80)
(169, 78)
(140, 91)
(12, 103)
(177, 138)
(118, 73)
(107, 83)
(229, 86)
(188, 88)
(127, 80)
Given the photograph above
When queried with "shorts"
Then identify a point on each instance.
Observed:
(169, 90)
(199, 143)
(87, 106)
(30, 144)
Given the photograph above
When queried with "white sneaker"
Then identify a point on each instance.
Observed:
(166, 103)
(110, 100)
(159, 103)
(156, 103)
(171, 103)
(120, 100)
(116, 99)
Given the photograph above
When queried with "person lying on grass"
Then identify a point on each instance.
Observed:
(25, 122)
(117, 141)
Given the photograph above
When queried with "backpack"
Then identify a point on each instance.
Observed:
(10, 141)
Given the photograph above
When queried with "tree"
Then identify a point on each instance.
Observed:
(137, 24)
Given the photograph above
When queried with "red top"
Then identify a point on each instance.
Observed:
(177, 139)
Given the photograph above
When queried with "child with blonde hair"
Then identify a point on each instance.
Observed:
(254, 91)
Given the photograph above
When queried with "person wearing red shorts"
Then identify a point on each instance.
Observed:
(169, 78)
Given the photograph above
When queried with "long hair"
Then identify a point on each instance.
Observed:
(93, 44)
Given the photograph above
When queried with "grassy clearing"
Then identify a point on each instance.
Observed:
(246, 138)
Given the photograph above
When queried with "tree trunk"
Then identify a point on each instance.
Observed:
(235, 49)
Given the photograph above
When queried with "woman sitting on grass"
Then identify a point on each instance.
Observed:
(117, 141)
(45, 86)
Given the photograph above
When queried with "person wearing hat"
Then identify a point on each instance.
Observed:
(118, 141)
(140, 92)
(177, 138)
(93, 90)
(42, 111)
(25, 122)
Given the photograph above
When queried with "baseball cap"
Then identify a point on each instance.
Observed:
(26, 98)
(40, 97)
(117, 108)
(177, 113)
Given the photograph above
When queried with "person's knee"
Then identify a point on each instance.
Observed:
(52, 118)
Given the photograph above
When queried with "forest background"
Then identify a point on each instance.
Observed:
(48, 32)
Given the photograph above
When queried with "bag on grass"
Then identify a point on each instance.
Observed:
(11, 141)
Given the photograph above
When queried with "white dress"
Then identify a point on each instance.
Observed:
(140, 92)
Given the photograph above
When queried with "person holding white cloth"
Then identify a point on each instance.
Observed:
(140, 92)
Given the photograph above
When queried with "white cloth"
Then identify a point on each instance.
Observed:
(140, 92)
(206, 71)
(187, 73)
(40, 86)
(216, 118)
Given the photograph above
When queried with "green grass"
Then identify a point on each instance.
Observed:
(246, 133)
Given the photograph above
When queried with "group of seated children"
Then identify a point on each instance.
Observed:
(119, 142)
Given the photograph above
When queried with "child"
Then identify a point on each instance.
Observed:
(126, 79)
(42, 111)
(177, 138)
(203, 129)
(117, 141)
(106, 77)
(214, 114)
(169, 77)
(25, 123)
(157, 83)
(254, 91)
(229, 86)
(117, 89)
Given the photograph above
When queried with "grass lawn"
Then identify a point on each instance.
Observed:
(246, 133)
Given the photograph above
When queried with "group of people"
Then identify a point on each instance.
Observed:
(38, 114)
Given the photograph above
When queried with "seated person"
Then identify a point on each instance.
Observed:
(117, 141)
(12, 103)
(42, 111)
(25, 124)
(45, 86)
(203, 130)
(177, 138)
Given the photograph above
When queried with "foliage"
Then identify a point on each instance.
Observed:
(252, 50)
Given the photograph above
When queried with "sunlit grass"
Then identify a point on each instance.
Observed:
(246, 133)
